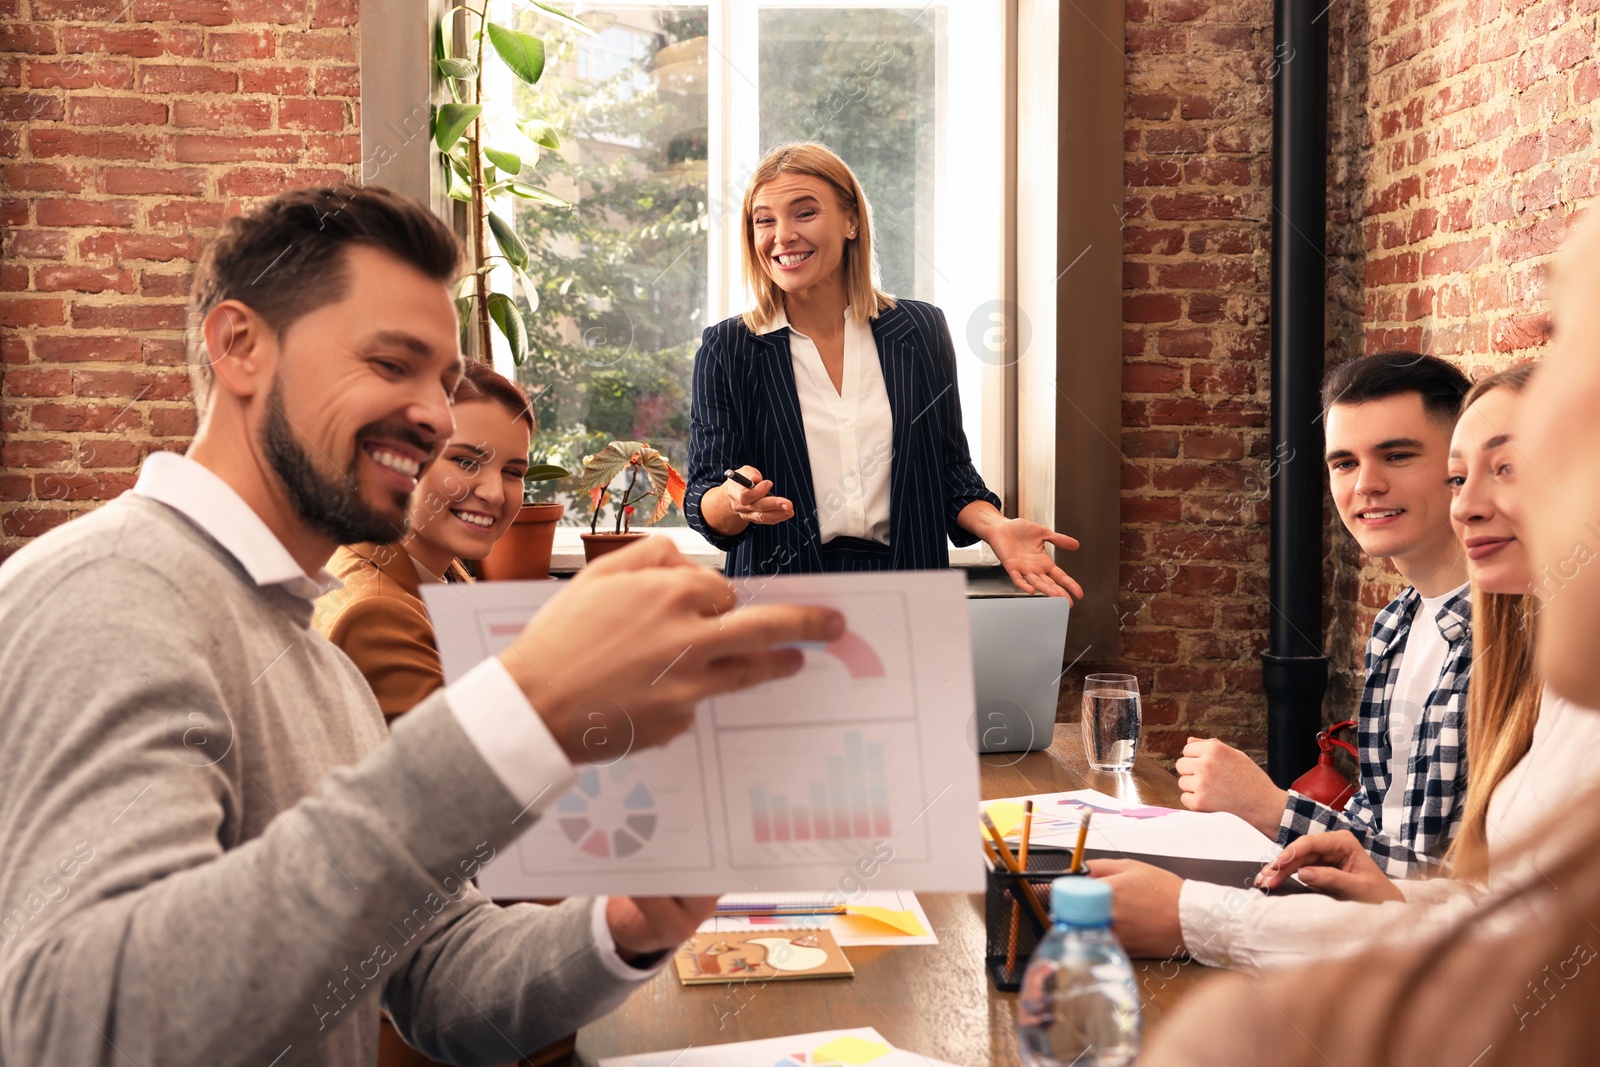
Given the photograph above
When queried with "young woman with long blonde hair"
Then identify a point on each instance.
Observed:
(1514, 983)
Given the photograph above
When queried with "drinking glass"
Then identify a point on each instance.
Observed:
(1110, 720)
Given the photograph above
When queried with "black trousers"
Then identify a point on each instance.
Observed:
(845, 554)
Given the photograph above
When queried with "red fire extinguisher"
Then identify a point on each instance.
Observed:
(1324, 783)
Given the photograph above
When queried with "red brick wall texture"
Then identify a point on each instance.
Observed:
(130, 129)
(1462, 141)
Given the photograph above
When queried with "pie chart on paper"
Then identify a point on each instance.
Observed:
(858, 657)
(607, 814)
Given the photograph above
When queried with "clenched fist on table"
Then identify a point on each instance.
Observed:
(1218, 777)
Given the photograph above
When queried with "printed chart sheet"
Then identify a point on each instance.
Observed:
(854, 774)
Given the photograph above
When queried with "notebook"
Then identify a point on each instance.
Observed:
(761, 956)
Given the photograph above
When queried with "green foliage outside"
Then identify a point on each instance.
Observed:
(621, 278)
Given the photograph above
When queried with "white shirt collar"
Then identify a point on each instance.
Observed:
(780, 321)
(211, 504)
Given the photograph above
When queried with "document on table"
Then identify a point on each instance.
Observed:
(825, 1048)
(891, 917)
(852, 775)
(1118, 826)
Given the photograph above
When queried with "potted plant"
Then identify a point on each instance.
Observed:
(478, 173)
(524, 552)
(644, 473)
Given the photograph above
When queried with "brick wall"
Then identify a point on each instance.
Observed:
(1474, 143)
(1197, 461)
(130, 130)
(1462, 140)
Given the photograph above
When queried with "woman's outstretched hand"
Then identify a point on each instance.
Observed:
(1020, 545)
(756, 504)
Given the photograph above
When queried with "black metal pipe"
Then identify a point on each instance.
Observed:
(1294, 669)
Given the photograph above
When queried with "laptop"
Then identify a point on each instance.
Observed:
(1018, 643)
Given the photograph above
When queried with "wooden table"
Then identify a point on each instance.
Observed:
(933, 999)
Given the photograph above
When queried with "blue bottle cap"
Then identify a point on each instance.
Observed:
(1080, 901)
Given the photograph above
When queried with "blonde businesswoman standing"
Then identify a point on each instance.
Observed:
(837, 403)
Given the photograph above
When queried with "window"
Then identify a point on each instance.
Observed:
(664, 114)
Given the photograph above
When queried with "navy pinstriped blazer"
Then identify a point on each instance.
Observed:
(746, 411)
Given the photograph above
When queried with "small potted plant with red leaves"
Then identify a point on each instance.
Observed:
(642, 473)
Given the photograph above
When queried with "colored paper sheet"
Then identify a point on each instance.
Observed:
(860, 1047)
(889, 917)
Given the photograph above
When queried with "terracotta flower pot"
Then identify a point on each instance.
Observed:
(596, 545)
(524, 551)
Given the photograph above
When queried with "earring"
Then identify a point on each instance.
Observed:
(852, 235)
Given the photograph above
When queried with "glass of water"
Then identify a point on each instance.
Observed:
(1110, 720)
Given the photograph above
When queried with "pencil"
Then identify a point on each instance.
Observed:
(1083, 837)
(1016, 906)
(1011, 865)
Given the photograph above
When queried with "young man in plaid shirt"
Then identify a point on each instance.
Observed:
(1388, 423)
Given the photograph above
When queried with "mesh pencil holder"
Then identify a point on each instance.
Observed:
(1004, 961)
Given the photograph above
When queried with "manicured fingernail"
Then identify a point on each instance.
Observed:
(835, 628)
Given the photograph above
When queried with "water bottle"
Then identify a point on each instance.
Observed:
(1078, 1004)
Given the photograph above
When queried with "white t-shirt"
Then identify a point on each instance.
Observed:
(1421, 663)
(849, 432)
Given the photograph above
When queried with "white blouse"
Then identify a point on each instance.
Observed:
(849, 432)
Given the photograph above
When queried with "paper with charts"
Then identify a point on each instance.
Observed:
(861, 1047)
(1121, 826)
(852, 775)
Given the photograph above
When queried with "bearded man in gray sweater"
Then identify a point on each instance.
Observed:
(210, 851)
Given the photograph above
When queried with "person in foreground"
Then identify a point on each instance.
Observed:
(1473, 996)
(209, 852)
(1388, 424)
(1530, 752)
(463, 504)
(837, 406)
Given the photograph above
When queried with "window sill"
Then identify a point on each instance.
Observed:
(567, 555)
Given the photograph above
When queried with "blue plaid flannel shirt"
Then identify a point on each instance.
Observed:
(1436, 775)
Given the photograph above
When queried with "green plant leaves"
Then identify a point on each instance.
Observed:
(503, 310)
(530, 291)
(559, 16)
(458, 177)
(545, 472)
(540, 133)
(509, 162)
(522, 52)
(464, 314)
(456, 68)
(511, 245)
(452, 121)
(529, 192)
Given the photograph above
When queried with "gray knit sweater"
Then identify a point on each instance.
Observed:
(209, 854)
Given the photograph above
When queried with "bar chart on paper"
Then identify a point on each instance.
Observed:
(851, 803)
(828, 797)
